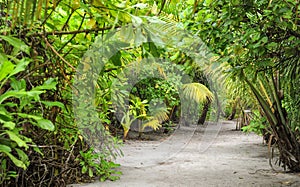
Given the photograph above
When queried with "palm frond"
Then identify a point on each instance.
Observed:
(160, 114)
(197, 92)
(153, 124)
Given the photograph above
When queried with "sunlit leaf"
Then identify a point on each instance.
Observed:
(48, 85)
(197, 92)
(4, 148)
(6, 67)
(16, 161)
(14, 137)
(8, 124)
(140, 5)
(54, 103)
(45, 124)
(17, 43)
(91, 23)
(153, 124)
(23, 157)
(41, 122)
(21, 66)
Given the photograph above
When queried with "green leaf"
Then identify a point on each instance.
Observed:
(126, 33)
(272, 45)
(207, 2)
(4, 116)
(5, 148)
(14, 137)
(21, 66)
(6, 67)
(116, 59)
(54, 103)
(23, 157)
(84, 169)
(264, 39)
(3, 57)
(19, 94)
(45, 124)
(36, 149)
(48, 85)
(41, 122)
(255, 36)
(16, 161)
(91, 172)
(17, 84)
(17, 43)
(136, 21)
(103, 178)
(8, 124)
(29, 116)
(139, 37)
(154, 37)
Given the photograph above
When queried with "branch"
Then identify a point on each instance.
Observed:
(48, 16)
(69, 17)
(52, 48)
(69, 32)
(59, 51)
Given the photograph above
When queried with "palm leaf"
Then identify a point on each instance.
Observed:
(160, 114)
(197, 92)
(153, 124)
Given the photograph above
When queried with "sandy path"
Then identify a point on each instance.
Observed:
(232, 159)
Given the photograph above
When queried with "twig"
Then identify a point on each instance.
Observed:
(44, 175)
(69, 17)
(71, 152)
(60, 50)
(52, 48)
(43, 146)
(69, 32)
(53, 10)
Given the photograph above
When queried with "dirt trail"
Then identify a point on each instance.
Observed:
(232, 159)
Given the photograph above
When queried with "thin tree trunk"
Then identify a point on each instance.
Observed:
(204, 112)
(233, 112)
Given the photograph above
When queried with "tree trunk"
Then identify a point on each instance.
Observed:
(233, 112)
(289, 147)
(173, 116)
(204, 112)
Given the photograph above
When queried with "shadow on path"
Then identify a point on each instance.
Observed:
(231, 158)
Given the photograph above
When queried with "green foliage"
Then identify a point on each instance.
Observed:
(137, 107)
(126, 122)
(14, 141)
(137, 111)
(292, 105)
(33, 101)
(259, 40)
(96, 164)
(256, 43)
(257, 125)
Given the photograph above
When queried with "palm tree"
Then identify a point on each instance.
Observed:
(194, 94)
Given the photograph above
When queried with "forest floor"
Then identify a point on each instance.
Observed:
(200, 156)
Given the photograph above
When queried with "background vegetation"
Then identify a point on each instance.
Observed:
(256, 48)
